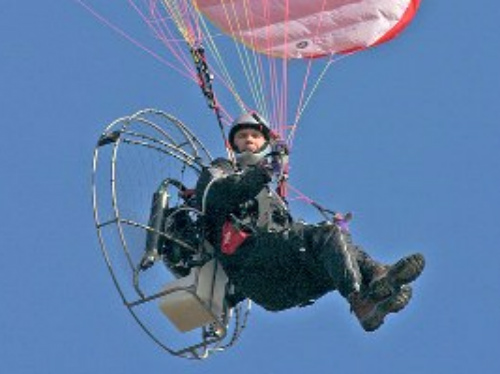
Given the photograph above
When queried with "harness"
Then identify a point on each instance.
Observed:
(266, 212)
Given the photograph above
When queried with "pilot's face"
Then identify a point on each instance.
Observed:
(249, 140)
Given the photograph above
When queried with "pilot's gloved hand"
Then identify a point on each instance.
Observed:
(266, 164)
(342, 220)
(279, 156)
(280, 147)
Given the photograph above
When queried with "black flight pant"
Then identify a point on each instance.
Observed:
(280, 270)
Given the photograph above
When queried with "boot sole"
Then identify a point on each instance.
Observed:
(403, 272)
(393, 304)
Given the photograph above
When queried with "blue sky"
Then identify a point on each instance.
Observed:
(407, 136)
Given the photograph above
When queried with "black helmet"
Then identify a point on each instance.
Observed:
(250, 120)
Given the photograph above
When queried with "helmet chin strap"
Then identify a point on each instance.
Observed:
(248, 158)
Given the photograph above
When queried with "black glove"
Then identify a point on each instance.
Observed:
(279, 157)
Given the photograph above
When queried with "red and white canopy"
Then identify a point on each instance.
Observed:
(309, 28)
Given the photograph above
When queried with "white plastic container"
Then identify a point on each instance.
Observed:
(197, 299)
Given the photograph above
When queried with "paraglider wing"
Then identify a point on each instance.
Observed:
(309, 28)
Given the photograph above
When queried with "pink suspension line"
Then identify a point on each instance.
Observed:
(135, 42)
(181, 54)
(193, 23)
(299, 195)
(272, 77)
(284, 115)
(305, 83)
(154, 23)
(265, 81)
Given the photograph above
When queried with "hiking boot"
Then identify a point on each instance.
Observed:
(391, 278)
(371, 313)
